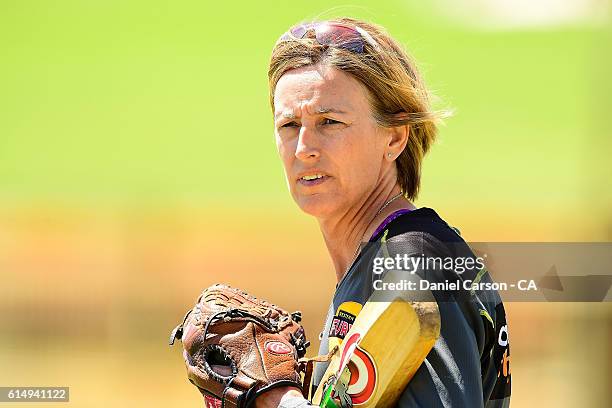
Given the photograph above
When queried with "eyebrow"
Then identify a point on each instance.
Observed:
(321, 110)
(327, 110)
(287, 115)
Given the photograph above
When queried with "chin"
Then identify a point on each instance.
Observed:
(317, 205)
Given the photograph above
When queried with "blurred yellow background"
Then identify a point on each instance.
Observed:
(138, 166)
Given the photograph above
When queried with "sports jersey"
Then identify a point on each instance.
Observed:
(469, 365)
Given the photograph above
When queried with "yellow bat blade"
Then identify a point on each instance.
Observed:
(380, 354)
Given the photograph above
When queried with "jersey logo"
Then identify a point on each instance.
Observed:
(501, 355)
(343, 320)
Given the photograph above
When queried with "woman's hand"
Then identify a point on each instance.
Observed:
(273, 398)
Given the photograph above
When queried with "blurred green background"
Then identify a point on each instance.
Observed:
(138, 165)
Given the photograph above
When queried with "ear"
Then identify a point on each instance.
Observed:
(397, 141)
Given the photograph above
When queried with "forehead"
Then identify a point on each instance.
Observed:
(313, 88)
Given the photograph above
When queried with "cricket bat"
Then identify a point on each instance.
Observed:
(380, 354)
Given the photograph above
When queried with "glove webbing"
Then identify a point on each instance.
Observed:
(231, 314)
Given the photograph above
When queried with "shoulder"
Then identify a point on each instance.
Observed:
(423, 230)
(422, 219)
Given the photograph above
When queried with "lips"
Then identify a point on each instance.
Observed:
(313, 178)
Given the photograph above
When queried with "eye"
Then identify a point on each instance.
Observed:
(288, 125)
(328, 121)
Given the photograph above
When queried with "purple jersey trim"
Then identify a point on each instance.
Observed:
(388, 220)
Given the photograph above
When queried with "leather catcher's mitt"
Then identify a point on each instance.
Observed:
(237, 346)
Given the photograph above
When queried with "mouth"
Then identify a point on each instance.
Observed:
(313, 179)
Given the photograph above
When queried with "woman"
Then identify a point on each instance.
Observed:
(352, 124)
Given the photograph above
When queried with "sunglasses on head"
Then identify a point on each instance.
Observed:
(338, 35)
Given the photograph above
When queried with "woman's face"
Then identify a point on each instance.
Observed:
(331, 147)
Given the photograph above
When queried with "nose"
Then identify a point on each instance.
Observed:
(307, 145)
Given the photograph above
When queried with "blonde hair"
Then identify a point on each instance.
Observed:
(397, 93)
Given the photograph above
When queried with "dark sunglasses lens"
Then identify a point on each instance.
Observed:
(340, 36)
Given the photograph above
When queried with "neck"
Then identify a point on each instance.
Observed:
(344, 232)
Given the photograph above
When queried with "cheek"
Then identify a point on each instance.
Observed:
(365, 159)
(285, 152)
